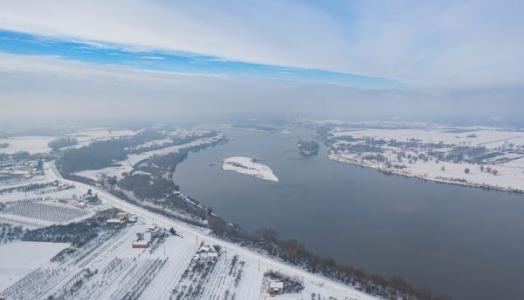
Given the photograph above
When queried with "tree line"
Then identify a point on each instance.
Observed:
(294, 252)
(101, 154)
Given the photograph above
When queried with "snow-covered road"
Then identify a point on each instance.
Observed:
(193, 233)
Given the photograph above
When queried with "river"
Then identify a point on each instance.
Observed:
(458, 241)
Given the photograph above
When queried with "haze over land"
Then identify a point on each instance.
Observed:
(261, 149)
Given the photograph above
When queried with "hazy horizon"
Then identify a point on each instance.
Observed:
(256, 149)
(146, 61)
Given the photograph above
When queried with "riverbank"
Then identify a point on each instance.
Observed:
(428, 175)
(382, 222)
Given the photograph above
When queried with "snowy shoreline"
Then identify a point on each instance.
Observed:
(127, 165)
(452, 181)
(485, 158)
(255, 264)
(248, 166)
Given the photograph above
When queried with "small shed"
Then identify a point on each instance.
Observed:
(122, 215)
(276, 287)
(114, 221)
(140, 244)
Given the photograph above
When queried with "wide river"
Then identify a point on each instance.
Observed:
(458, 241)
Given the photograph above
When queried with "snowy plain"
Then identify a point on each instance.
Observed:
(180, 251)
(20, 258)
(149, 274)
(126, 166)
(509, 164)
(30, 144)
(39, 144)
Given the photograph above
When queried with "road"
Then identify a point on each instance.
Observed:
(199, 235)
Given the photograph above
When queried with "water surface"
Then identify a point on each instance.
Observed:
(459, 241)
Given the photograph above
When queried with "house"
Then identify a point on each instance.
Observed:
(122, 216)
(140, 244)
(160, 232)
(204, 249)
(114, 221)
(276, 287)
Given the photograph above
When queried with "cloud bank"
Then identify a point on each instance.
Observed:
(39, 89)
(430, 44)
(456, 59)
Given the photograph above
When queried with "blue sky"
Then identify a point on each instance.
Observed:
(180, 62)
(434, 45)
(333, 57)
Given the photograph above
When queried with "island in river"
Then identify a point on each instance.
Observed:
(308, 148)
(248, 166)
(390, 225)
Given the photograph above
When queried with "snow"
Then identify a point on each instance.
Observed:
(39, 206)
(175, 256)
(490, 138)
(510, 176)
(509, 143)
(182, 133)
(126, 166)
(39, 193)
(31, 144)
(248, 166)
(39, 144)
(19, 258)
(99, 134)
(160, 142)
(117, 170)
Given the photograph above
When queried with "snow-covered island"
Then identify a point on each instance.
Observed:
(248, 166)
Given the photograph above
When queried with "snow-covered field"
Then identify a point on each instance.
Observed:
(43, 213)
(421, 153)
(17, 259)
(248, 166)
(31, 144)
(492, 137)
(126, 166)
(181, 266)
(189, 265)
(40, 202)
(98, 134)
(39, 144)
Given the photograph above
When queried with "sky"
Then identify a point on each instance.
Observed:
(347, 59)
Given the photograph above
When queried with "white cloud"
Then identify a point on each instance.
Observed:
(440, 44)
(38, 88)
(257, 31)
(459, 44)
